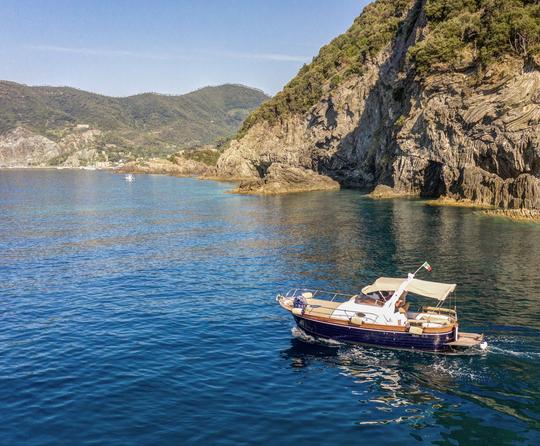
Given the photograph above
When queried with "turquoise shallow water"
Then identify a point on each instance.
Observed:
(144, 314)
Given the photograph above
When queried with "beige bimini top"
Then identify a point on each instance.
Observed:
(435, 290)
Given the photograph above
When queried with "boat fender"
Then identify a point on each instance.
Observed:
(416, 330)
(355, 320)
(298, 311)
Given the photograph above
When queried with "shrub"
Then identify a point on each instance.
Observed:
(489, 28)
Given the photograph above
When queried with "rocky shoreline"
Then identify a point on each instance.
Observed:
(519, 215)
(175, 166)
(286, 180)
(523, 215)
(452, 202)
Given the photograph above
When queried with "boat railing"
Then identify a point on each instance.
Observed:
(330, 296)
(440, 310)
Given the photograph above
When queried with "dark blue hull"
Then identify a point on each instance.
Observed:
(436, 342)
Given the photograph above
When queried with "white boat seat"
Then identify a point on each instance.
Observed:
(427, 317)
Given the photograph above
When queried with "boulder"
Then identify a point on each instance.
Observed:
(283, 179)
(382, 191)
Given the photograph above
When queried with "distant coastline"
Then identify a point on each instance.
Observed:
(56, 168)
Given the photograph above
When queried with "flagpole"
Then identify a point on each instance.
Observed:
(423, 265)
(397, 293)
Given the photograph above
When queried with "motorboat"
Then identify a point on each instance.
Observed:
(380, 315)
(129, 178)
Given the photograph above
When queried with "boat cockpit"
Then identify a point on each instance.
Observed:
(384, 302)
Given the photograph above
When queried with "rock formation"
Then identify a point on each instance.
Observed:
(281, 178)
(457, 131)
(21, 147)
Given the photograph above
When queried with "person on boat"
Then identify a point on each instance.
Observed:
(402, 302)
(362, 298)
(385, 295)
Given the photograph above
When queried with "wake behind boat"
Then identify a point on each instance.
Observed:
(380, 315)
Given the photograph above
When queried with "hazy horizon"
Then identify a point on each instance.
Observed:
(127, 48)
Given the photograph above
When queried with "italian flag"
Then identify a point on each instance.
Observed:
(427, 266)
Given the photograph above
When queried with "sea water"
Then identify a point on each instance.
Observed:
(143, 313)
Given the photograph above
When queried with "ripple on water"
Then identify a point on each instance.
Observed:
(145, 313)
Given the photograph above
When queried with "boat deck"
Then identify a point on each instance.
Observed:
(320, 307)
(466, 340)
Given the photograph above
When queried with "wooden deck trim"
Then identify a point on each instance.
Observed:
(377, 327)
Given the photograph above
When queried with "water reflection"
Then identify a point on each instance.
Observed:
(345, 241)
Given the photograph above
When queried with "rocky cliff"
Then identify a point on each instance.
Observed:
(21, 147)
(409, 115)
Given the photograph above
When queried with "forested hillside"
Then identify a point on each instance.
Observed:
(143, 125)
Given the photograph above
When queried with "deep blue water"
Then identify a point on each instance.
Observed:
(144, 313)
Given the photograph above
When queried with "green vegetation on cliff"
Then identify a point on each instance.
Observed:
(465, 33)
(202, 155)
(343, 57)
(207, 154)
(457, 34)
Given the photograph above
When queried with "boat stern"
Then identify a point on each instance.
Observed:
(467, 341)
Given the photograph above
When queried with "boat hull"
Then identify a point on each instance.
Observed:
(433, 342)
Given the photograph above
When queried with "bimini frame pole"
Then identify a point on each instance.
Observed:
(423, 265)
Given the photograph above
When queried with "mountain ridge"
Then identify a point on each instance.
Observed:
(141, 125)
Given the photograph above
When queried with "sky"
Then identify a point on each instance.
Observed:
(124, 47)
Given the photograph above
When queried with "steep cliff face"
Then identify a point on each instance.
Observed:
(21, 147)
(458, 130)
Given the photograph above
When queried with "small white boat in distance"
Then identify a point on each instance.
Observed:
(129, 178)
